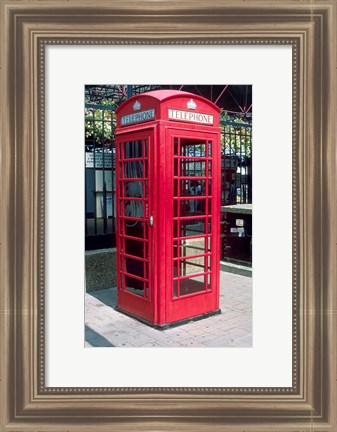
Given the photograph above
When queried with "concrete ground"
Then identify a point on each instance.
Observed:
(105, 327)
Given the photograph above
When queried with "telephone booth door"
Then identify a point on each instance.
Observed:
(134, 233)
(195, 224)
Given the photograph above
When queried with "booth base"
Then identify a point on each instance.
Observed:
(173, 324)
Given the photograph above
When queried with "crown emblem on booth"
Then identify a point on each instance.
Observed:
(191, 104)
(136, 106)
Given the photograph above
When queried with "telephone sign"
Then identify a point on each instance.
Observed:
(190, 116)
(138, 117)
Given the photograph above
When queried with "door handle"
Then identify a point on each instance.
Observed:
(151, 221)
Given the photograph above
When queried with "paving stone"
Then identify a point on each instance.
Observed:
(192, 343)
(238, 333)
(152, 344)
(246, 340)
(203, 338)
(94, 326)
(221, 342)
(177, 334)
(108, 327)
(196, 331)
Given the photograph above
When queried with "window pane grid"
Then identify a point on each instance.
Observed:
(131, 275)
(133, 197)
(191, 256)
(133, 238)
(190, 276)
(135, 257)
(192, 202)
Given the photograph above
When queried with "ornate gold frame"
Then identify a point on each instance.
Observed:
(27, 26)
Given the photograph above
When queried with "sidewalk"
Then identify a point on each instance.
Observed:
(105, 327)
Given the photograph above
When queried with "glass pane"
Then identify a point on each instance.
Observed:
(192, 285)
(135, 247)
(192, 168)
(134, 169)
(176, 167)
(134, 286)
(189, 247)
(196, 187)
(209, 149)
(192, 207)
(176, 147)
(132, 208)
(135, 267)
(190, 228)
(209, 212)
(121, 171)
(175, 269)
(133, 228)
(133, 189)
(209, 282)
(133, 149)
(191, 188)
(175, 208)
(175, 288)
(192, 148)
(209, 173)
(195, 246)
(208, 244)
(192, 266)
(145, 148)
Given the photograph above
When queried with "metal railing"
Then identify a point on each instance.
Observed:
(236, 188)
(236, 164)
(99, 176)
(100, 224)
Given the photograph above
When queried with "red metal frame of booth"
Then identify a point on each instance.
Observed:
(177, 264)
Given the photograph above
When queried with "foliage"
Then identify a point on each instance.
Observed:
(100, 124)
(236, 139)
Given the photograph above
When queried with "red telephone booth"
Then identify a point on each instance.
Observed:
(168, 207)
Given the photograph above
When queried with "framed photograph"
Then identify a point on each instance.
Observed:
(276, 370)
(152, 207)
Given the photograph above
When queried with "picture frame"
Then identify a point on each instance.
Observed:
(27, 27)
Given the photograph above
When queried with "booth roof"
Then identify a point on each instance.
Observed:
(163, 95)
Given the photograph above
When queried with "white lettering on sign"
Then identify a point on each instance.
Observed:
(90, 157)
(137, 117)
(190, 116)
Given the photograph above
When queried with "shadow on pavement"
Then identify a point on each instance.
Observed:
(95, 339)
(107, 297)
